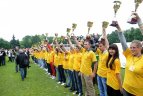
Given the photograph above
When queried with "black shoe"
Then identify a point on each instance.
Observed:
(71, 90)
(77, 92)
(66, 86)
(80, 94)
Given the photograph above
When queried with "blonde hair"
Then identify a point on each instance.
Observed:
(138, 43)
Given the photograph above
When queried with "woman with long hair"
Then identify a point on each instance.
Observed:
(114, 83)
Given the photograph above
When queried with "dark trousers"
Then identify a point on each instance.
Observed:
(2, 61)
(113, 92)
(127, 93)
(78, 81)
(17, 68)
(61, 73)
(72, 80)
(49, 68)
(23, 72)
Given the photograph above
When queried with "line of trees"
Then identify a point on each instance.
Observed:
(28, 41)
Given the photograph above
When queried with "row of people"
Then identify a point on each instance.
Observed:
(77, 67)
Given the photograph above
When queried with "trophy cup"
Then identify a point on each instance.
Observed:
(56, 35)
(73, 28)
(115, 7)
(89, 25)
(105, 24)
(68, 31)
(46, 36)
(133, 18)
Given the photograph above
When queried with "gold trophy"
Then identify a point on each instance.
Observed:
(105, 24)
(46, 36)
(56, 35)
(116, 8)
(74, 27)
(89, 25)
(133, 18)
(68, 31)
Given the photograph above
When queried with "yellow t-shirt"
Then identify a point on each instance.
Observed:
(56, 60)
(71, 59)
(61, 58)
(88, 58)
(112, 80)
(77, 61)
(66, 61)
(51, 56)
(133, 80)
(47, 58)
(102, 69)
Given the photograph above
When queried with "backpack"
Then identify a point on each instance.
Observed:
(26, 61)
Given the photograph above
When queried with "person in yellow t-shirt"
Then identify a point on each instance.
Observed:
(87, 74)
(76, 70)
(102, 69)
(114, 83)
(133, 80)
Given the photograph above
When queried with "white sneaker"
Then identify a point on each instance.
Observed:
(48, 73)
(63, 83)
(80, 94)
(59, 82)
(74, 93)
(53, 77)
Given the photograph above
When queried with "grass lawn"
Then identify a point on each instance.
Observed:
(37, 83)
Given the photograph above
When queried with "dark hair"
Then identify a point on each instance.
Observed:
(116, 55)
(102, 41)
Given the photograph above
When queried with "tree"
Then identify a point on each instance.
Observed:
(4, 44)
(14, 42)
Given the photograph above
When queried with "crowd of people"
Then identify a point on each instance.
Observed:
(85, 64)
(77, 67)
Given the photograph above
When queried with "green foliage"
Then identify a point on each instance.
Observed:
(4, 44)
(113, 37)
(28, 41)
(130, 35)
(14, 43)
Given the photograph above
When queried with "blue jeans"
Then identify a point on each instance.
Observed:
(68, 77)
(79, 82)
(23, 73)
(57, 71)
(102, 85)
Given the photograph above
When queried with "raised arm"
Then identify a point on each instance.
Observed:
(140, 23)
(70, 43)
(105, 37)
(121, 37)
(77, 42)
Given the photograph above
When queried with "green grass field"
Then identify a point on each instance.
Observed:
(37, 83)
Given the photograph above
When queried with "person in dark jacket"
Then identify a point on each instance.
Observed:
(22, 61)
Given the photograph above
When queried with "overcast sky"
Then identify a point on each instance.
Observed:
(30, 17)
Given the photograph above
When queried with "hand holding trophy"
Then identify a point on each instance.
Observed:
(133, 19)
(74, 27)
(116, 8)
(68, 31)
(105, 24)
(89, 25)
(46, 36)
